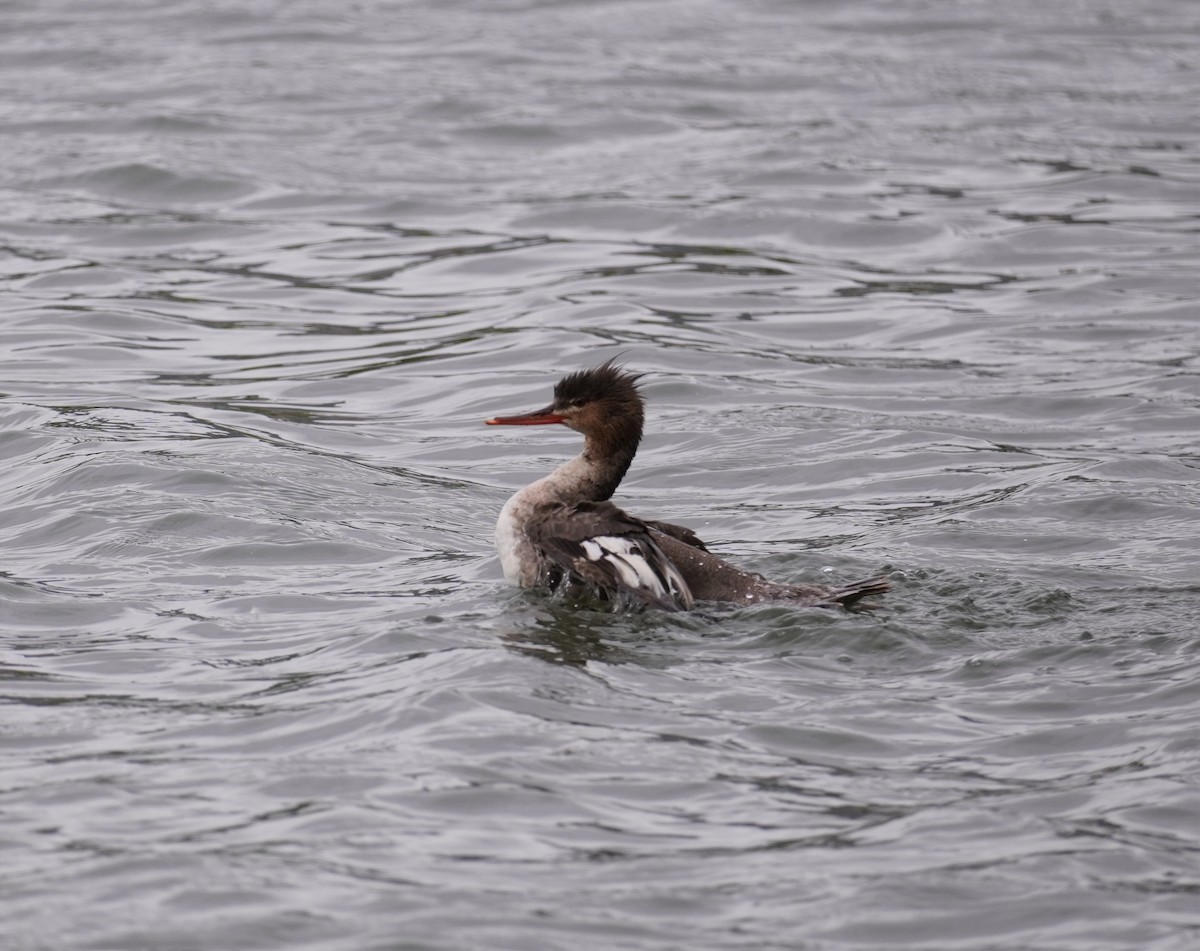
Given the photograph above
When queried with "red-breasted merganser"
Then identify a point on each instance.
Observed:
(563, 528)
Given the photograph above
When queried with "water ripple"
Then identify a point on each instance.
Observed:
(914, 292)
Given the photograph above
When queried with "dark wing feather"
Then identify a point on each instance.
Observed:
(603, 547)
(679, 532)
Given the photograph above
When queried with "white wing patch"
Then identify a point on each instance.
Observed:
(639, 566)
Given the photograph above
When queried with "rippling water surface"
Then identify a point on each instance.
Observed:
(914, 287)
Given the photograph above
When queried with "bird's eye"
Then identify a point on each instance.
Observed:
(578, 401)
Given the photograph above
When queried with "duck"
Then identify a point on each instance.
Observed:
(564, 531)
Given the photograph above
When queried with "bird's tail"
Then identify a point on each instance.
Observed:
(849, 595)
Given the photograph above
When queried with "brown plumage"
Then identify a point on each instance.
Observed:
(563, 529)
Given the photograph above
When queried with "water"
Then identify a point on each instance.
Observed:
(914, 286)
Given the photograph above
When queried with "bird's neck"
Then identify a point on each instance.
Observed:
(593, 475)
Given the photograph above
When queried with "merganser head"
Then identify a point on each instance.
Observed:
(602, 403)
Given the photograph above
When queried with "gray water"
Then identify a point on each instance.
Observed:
(914, 286)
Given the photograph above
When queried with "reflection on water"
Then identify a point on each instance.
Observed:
(914, 292)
